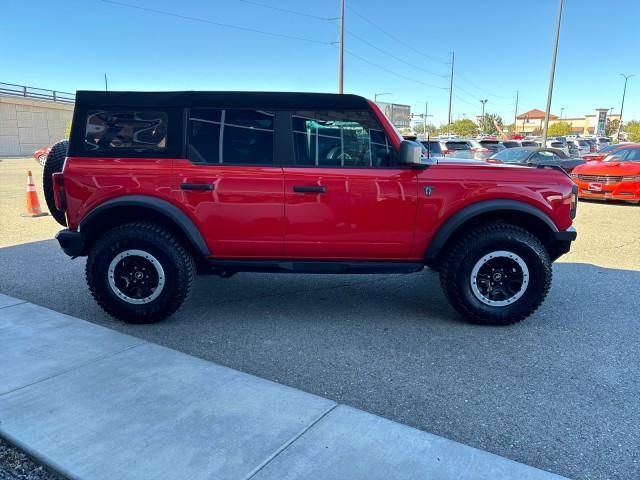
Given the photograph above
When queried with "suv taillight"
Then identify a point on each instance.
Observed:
(59, 195)
(574, 202)
(445, 152)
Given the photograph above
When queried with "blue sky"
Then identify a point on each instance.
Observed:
(398, 47)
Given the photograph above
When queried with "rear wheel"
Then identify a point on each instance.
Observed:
(496, 275)
(139, 272)
(42, 159)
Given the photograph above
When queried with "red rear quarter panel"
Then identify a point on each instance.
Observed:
(90, 181)
(455, 186)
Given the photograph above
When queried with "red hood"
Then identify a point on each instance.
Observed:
(608, 168)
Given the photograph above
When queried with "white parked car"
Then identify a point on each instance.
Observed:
(559, 144)
(583, 146)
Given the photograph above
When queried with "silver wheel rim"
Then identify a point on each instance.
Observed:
(42, 159)
(112, 275)
(510, 285)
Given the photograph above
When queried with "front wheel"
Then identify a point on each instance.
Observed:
(496, 275)
(139, 272)
(42, 159)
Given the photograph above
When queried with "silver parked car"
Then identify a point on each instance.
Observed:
(484, 148)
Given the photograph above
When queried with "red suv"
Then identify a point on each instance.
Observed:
(156, 187)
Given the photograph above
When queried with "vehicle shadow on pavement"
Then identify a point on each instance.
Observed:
(557, 391)
(39, 272)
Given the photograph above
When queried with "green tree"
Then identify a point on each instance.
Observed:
(612, 127)
(559, 129)
(488, 124)
(419, 128)
(633, 130)
(67, 129)
(462, 128)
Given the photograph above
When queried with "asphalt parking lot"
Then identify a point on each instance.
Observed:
(558, 391)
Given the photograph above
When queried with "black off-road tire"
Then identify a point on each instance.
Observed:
(54, 164)
(177, 264)
(458, 262)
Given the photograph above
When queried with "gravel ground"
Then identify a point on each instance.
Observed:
(558, 391)
(16, 465)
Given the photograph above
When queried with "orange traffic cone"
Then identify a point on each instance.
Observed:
(33, 204)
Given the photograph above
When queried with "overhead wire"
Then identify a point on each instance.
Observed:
(212, 22)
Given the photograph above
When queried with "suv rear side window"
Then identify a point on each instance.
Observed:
(109, 130)
(339, 139)
(231, 136)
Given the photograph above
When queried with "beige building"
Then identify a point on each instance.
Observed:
(532, 122)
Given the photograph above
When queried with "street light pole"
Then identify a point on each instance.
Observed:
(561, 113)
(515, 114)
(341, 67)
(426, 112)
(624, 92)
(483, 102)
(376, 95)
(453, 59)
(551, 77)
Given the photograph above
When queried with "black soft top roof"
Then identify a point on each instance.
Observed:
(275, 100)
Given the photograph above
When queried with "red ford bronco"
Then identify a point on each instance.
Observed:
(157, 187)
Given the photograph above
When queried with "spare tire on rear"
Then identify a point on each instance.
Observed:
(54, 164)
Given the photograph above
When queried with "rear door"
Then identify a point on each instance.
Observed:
(230, 183)
(344, 198)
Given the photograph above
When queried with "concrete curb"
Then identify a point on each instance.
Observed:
(95, 404)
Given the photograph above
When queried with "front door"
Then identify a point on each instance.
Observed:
(344, 199)
(230, 183)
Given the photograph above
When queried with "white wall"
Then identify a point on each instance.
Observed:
(27, 125)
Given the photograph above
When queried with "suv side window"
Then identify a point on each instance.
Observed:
(230, 136)
(339, 139)
(112, 130)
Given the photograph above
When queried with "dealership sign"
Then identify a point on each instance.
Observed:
(399, 115)
(601, 125)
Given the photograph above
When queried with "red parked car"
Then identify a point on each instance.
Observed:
(157, 187)
(617, 177)
(41, 155)
(608, 150)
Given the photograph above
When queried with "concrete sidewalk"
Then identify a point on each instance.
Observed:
(95, 404)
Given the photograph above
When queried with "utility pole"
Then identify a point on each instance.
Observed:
(453, 59)
(515, 114)
(551, 77)
(624, 92)
(106, 85)
(341, 68)
(561, 113)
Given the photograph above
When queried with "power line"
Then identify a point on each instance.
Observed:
(218, 24)
(486, 92)
(394, 56)
(285, 10)
(393, 37)
(393, 72)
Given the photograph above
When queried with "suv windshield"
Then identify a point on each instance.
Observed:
(458, 146)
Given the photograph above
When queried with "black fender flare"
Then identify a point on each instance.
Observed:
(467, 213)
(163, 207)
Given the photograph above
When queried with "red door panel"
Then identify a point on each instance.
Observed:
(242, 215)
(362, 213)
